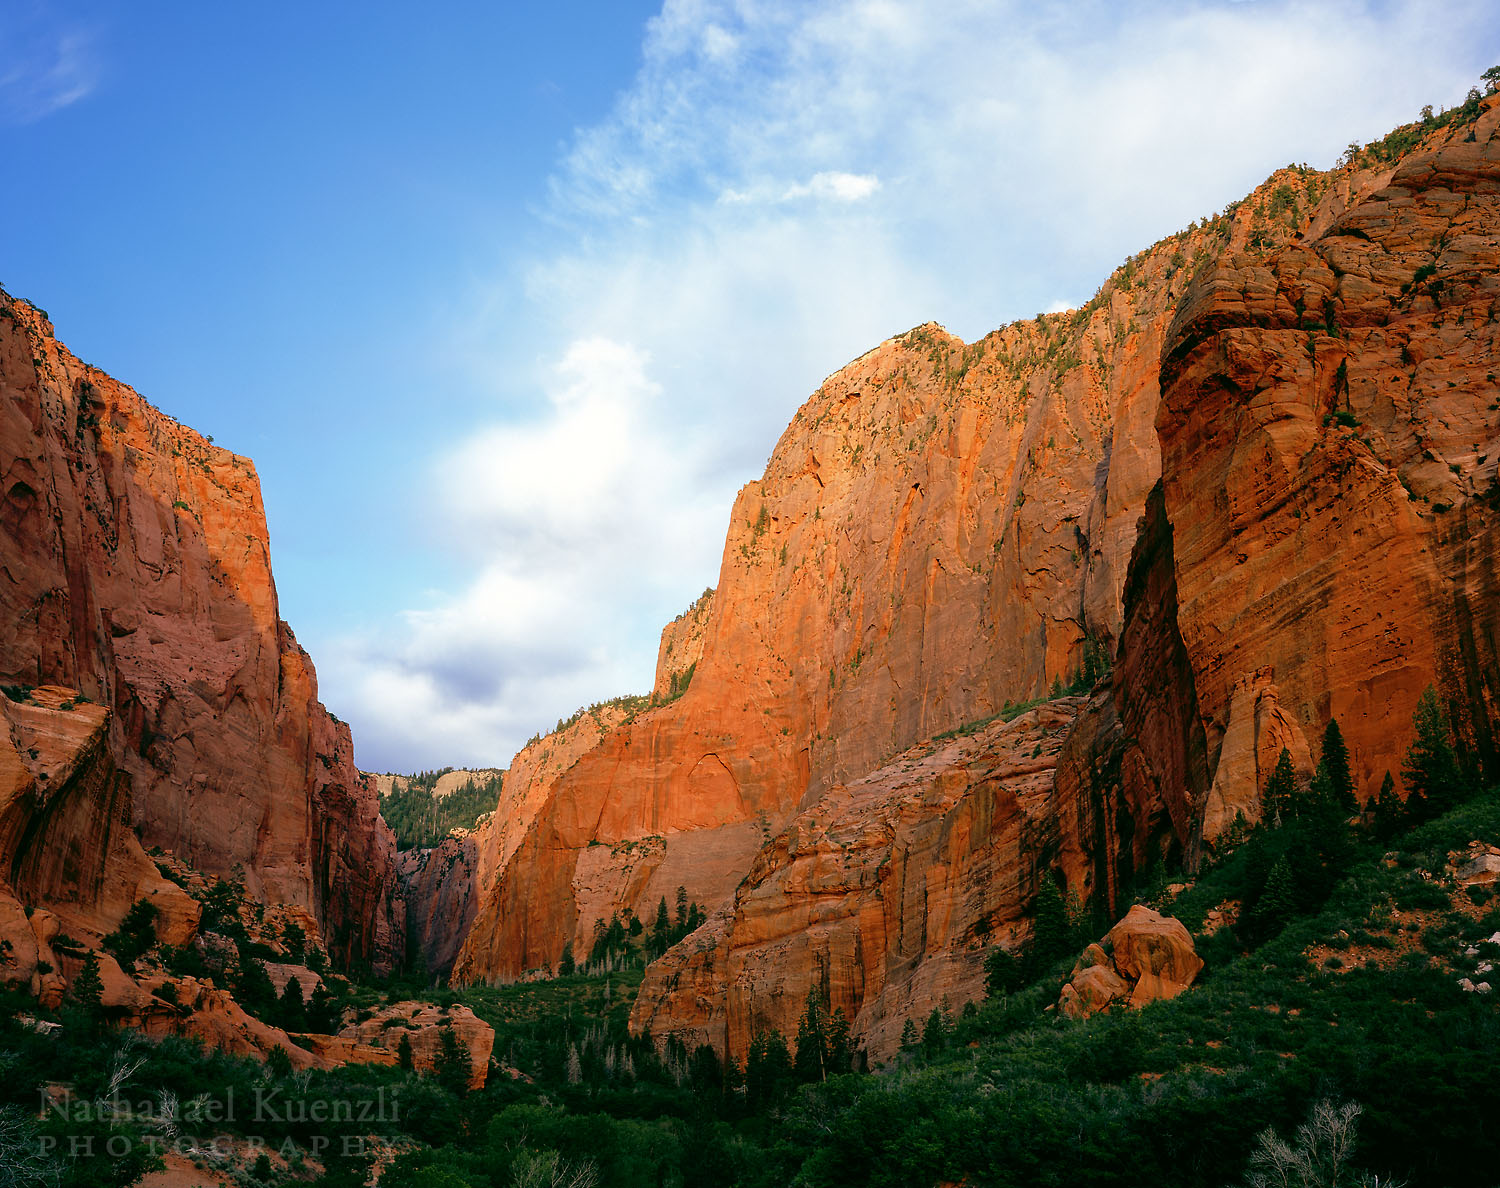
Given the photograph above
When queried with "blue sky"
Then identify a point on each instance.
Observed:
(506, 301)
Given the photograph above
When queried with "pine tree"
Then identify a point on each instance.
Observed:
(768, 1068)
(254, 987)
(1004, 972)
(812, 1041)
(323, 1015)
(88, 987)
(661, 930)
(454, 1066)
(1434, 781)
(1050, 932)
(909, 1037)
(567, 967)
(840, 1053)
(404, 1057)
(682, 909)
(292, 1010)
(1278, 901)
(935, 1034)
(1281, 790)
(1390, 813)
(1335, 765)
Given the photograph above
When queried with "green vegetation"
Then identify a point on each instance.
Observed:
(420, 818)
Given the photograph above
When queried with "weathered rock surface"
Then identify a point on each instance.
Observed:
(1329, 443)
(883, 895)
(1145, 958)
(136, 569)
(377, 1039)
(447, 783)
(69, 860)
(681, 648)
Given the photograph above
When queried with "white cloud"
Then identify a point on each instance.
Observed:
(43, 69)
(783, 186)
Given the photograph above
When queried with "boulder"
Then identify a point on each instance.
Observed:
(1144, 958)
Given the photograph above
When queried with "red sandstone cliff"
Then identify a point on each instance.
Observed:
(1330, 439)
(136, 569)
(938, 532)
(1321, 542)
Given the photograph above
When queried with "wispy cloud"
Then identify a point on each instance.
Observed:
(44, 67)
(783, 186)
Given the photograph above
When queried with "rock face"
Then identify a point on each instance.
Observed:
(376, 1040)
(69, 861)
(681, 648)
(447, 783)
(941, 530)
(445, 886)
(883, 895)
(1329, 449)
(136, 570)
(1145, 958)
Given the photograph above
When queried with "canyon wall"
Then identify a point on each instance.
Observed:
(1330, 438)
(136, 570)
(1320, 543)
(944, 528)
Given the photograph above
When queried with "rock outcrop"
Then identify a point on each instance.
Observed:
(136, 570)
(1145, 958)
(70, 864)
(377, 1039)
(681, 648)
(882, 896)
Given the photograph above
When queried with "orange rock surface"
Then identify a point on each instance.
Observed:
(883, 895)
(681, 647)
(1145, 958)
(936, 534)
(69, 860)
(138, 572)
(1330, 439)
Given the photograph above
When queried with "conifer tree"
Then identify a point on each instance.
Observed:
(840, 1053)
(88, 986)
(293, 1011)
(1281, 790)
(909, 1037)
(935, 1034)
(811, 1061)
(661, 930)
(1390, 813)
(404, 1057)
(1335, 765)
(1278, 901)
(1052, 939)
(1434, 781)
(566, 966)
(454, 1065)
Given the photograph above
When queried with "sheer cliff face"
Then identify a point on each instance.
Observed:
(1329, 439)
(136, 569)
(883, 895)
(936, 533)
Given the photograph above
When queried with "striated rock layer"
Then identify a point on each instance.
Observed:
(70, 864)
(136, 569)
(940, 531)
(1330, 438)
(1321, 542)
(882, 896)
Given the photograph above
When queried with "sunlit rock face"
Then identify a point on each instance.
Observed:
(1330, 436)
(137, 572)
(939, 531)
